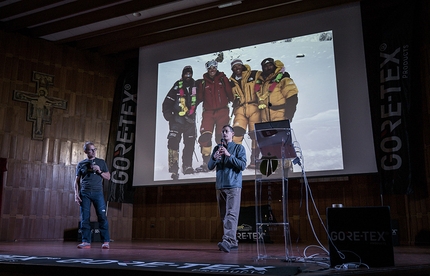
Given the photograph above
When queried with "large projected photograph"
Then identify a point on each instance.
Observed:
(320, 56)
(317, 115)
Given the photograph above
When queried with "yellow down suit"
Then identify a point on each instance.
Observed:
(245, 108)
(277, 95)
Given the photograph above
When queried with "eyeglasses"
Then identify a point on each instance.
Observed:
(93, 150)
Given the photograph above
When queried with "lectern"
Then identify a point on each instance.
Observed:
(275, 141)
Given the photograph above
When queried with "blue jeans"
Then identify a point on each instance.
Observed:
(229, 208)
(98, 200)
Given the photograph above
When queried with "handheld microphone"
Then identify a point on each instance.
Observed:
(222, 142)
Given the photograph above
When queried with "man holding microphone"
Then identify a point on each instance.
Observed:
(229, 159)
(88, 186)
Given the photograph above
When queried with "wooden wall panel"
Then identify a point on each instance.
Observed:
(176, 206)
(37, 194)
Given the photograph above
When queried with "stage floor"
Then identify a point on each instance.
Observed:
(164, 257)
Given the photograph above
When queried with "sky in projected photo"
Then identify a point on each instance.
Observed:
(310, 62)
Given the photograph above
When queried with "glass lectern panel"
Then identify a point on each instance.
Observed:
(271, 173)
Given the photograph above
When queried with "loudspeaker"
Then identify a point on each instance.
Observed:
(360, 235)
(95, 232)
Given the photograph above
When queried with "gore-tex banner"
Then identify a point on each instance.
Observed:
(122, 138)
(389, 52)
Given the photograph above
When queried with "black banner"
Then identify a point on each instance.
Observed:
(122, 137)
(390, 50)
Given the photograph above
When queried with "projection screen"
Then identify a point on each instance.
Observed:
(323, 53)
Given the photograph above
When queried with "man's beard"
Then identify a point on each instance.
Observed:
(267, 73)
(187, 80)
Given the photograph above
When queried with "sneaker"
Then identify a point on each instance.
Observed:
(84, 245)
(232, 248)
(224, 246)
(105, 245)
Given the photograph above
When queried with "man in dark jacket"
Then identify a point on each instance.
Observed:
(179, 109)
(229, 159)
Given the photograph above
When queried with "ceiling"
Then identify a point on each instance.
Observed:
(119, 28)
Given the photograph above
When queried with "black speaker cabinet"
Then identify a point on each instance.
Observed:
(246, 227)
(360, 235)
